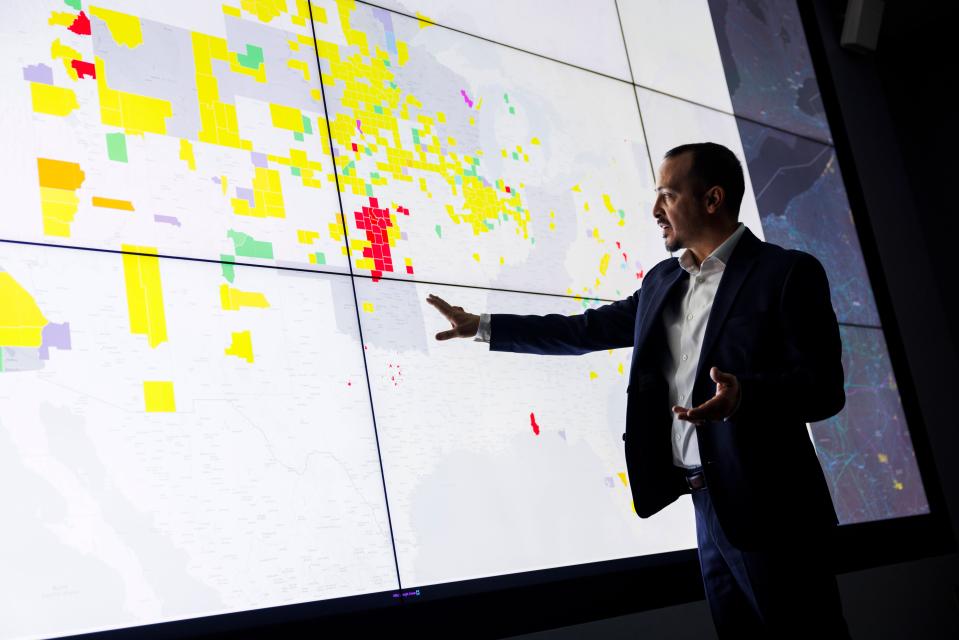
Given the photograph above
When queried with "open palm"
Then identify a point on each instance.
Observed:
(464, 324)
(721, 405)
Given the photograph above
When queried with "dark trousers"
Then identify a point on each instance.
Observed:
(785, 591)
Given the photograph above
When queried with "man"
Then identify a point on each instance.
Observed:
(735, 348)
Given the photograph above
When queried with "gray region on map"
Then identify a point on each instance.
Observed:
(341, 297)
(546, 262)
(162, 66)
(21, 359)
(284, 85)
(397, 322)
(300, 266)
(38, 73)
(803, 205)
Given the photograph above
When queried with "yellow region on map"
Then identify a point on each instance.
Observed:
(112, 203)
(61, 18)
(218, 123)
(21, 322)
(66, 55)
(158, 396)
(232, 299)
(265, 10)
(267, 196)
(288, 118)
(124, 28)
(133, 112)
(306, 236)
(186, 154)
(241, 347)
(59, 181)
(144, 294)
(54, 101)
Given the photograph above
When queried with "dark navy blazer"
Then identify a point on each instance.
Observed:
(772, 325)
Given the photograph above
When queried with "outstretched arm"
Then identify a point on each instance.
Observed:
(607, 327)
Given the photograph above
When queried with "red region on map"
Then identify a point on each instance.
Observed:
(81, 26)
(375, 220)
(84, 69)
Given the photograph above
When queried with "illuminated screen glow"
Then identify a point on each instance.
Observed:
(220, 386)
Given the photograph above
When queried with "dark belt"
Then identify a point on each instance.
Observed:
(695, 478)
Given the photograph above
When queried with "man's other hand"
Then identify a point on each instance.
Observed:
(720, 405)
(465, 325)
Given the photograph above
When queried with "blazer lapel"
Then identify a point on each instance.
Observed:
(654, 311)
(740, 263)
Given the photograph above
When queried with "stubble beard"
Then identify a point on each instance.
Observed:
(673, 246)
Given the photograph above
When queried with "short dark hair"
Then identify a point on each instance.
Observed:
(715, 165)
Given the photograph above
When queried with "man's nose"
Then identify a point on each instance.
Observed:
(657, 207)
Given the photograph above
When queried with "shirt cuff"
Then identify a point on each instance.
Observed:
(483, 333)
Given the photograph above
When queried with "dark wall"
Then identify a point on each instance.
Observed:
(916, 62)
(898, 124)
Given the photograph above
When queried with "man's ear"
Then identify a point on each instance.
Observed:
(714, 198)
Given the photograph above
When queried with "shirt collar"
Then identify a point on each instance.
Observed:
(715, 261)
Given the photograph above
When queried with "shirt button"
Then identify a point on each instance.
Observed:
(682, 396)
(699, 279)
(685, 357)
(689, 316)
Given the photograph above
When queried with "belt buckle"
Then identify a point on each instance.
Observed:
(696, 481)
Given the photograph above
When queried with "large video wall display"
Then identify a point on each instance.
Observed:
(220, 382)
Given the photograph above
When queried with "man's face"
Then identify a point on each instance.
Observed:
(679, 208)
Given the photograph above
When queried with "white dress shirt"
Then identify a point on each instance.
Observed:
(684, 318)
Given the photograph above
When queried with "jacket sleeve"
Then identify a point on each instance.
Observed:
(810, 386)
(607, 327)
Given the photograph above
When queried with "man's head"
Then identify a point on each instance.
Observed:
(699, 191)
